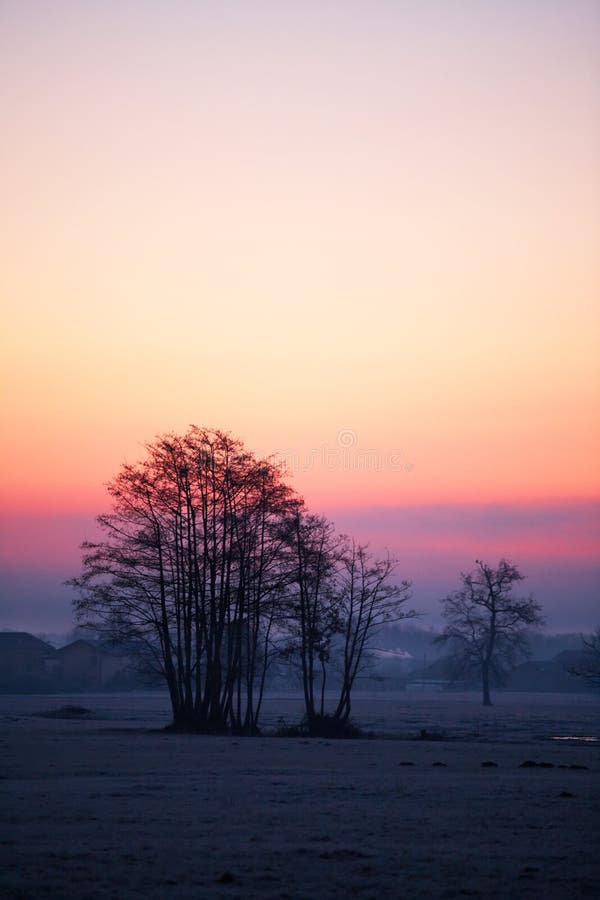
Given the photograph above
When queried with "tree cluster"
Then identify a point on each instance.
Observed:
(212, 567)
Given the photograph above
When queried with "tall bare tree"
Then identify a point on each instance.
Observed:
(189, 570)
(486, 625)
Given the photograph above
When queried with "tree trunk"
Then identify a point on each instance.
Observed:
(485, 677)
(323, 682)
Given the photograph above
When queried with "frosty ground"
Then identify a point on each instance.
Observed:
(110, 806)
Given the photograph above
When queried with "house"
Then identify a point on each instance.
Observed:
(438, 676)
(548, 675)
(27, 664)
(89, 666)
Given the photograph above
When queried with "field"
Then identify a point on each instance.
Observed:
(110, 806)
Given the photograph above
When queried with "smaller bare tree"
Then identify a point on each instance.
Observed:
(486, 625)
(340, 598)
(369, 598)
(313, 619)
(589, 667)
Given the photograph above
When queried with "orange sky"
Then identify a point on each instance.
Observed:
(292, 221)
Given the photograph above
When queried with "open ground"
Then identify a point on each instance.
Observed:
(108, 805)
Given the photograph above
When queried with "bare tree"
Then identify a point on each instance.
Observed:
(486, 625)
(189, 572)
(341, 597)
(589, 667)
(313, 618)
(368, 600)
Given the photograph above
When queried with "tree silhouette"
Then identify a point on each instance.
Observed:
(341, 597)
(313, 619)
(210, 567)
(486, 625)
(368, 600)
(589, 666)
(190, 573)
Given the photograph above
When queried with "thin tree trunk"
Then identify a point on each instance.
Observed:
(323, 681)
(485, 673)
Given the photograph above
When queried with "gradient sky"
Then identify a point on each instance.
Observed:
(363, 234)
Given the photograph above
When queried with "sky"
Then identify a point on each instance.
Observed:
(361, 235)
